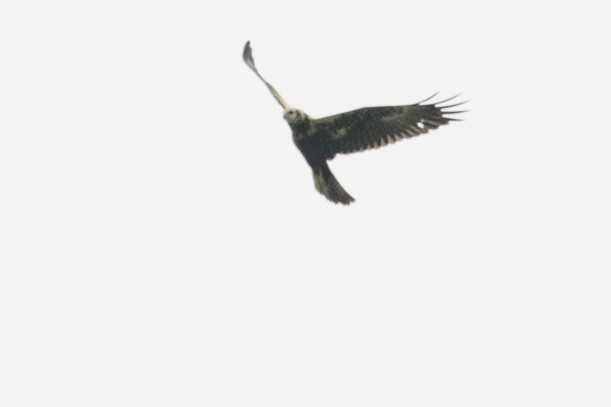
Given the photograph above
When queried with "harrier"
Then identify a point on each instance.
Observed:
(319, 140)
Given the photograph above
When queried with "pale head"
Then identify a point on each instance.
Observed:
(293, 116)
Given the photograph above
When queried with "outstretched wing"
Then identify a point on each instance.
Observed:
(247, 56)
(373, 127)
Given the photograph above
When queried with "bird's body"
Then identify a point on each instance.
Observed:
(314, 141)
(320, 140)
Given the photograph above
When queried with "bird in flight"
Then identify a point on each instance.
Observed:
(319, 140)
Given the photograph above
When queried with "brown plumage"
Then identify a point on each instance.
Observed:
(321, 139)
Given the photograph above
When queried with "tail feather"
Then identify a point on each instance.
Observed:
(326, 183)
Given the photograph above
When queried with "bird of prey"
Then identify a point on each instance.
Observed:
(319, 140)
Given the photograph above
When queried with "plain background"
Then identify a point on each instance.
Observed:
(162, 244)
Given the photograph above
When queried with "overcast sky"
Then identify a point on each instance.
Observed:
(162, 243)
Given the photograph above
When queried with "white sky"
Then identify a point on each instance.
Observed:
(162, 244)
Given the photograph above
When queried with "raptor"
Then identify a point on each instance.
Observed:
(320, 140)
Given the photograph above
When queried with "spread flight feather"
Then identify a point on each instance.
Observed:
(321, 139)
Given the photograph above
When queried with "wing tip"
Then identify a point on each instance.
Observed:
(454, 105)
(247, 54)
(247, 50)
(455, 112)
(429, 98)
(447, 100)
(443, 109)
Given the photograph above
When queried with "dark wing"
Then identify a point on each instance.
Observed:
(373, 127)
(247, 57)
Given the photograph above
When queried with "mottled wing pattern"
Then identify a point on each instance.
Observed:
(373, 127)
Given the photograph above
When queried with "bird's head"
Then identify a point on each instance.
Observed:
(293, 116)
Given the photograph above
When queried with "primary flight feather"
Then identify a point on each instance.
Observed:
(319, 140)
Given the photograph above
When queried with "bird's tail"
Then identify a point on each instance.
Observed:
(326, 183)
